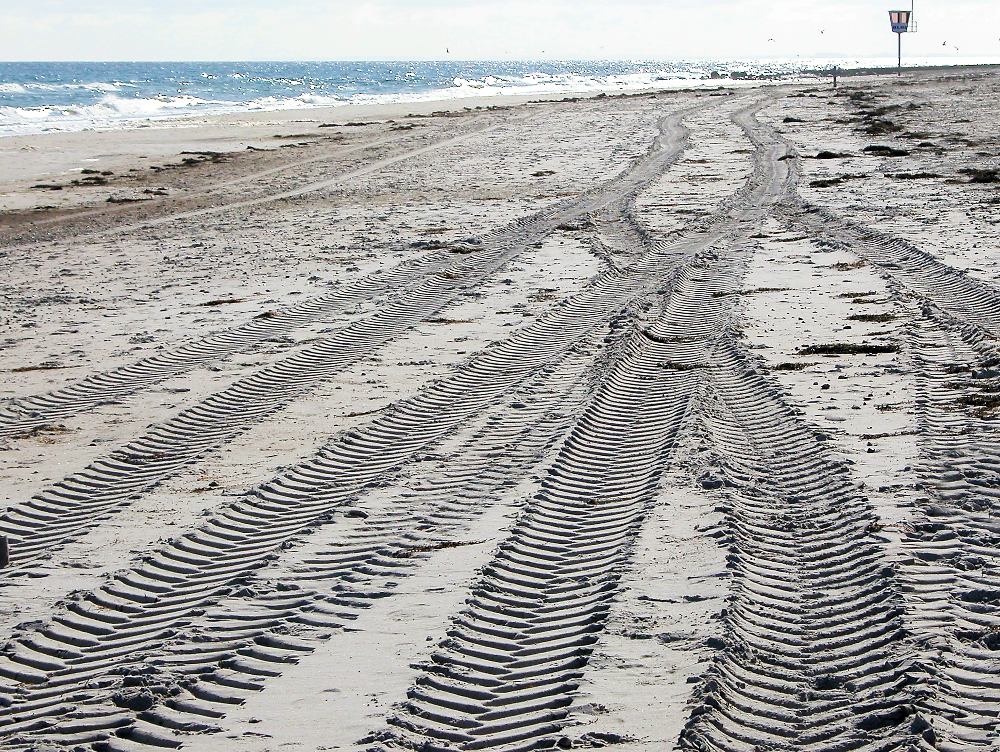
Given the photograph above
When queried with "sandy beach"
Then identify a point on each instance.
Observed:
(647, 422)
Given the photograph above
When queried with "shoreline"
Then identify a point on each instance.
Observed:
(881, 71)
(416, 103)
(63, 160)
(58, 157)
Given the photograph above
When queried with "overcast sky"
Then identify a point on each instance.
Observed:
(473, 29)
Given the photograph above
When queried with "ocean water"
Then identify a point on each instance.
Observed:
(40, 97)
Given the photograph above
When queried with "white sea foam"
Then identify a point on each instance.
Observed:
(113, 107)
(100, 86)
(110, 111)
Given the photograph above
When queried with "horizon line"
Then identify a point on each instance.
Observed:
(677, 59)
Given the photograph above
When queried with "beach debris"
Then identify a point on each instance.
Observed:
(848, 348)
(880, 150)
(221, 301)
(977, 175)
(873, 318)
(131, 197)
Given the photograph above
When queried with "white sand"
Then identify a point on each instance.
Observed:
(503, 429)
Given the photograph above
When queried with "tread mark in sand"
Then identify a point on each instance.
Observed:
(952, 569)
(65, 510)
(815, 652)
(159, 596)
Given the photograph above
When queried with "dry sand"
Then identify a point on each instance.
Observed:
(619, 422)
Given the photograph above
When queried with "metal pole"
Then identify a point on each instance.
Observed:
(899, 65)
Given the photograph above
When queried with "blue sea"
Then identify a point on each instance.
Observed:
(40, 97)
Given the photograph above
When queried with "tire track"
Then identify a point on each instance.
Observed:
(815, 655)
(961, 296)
(952, 586)
(320, 587)
(352, 571)
(953, 570)
(192, 572)
(66, 509)
(504, 678)
(970, 300)
(18, 417)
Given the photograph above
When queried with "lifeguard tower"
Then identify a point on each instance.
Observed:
(902, 21)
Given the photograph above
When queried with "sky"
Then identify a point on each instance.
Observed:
(474, 29)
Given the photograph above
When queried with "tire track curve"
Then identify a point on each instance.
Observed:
(503, 678)
(18, 417)
(232, 544)
(63, 511)
(963, 297)
(193, 571)
(815, 654)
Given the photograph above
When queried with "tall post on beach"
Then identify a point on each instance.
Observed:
(836, 71)
(900, 20)
(4, 551)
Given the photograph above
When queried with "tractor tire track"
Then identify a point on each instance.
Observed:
(953, 291)
(60, 513)
(505, 677)
(192, 572)
(963, 297)
(815, 654)
(953, 569)
(320, 587)
(18, 417)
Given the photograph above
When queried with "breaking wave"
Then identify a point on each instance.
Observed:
(39, 97)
